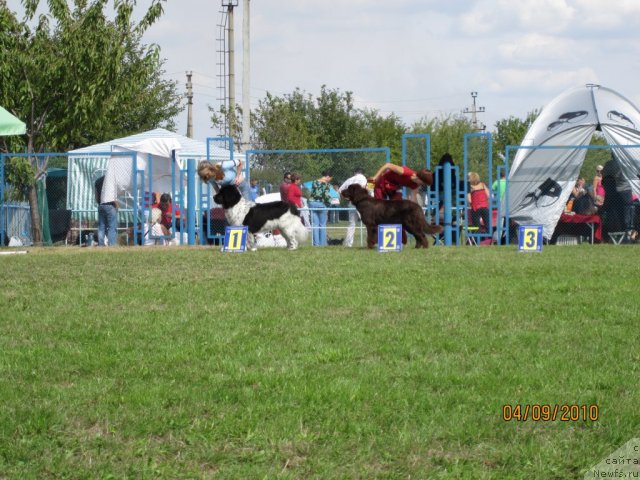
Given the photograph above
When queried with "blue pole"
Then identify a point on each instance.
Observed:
(191, 200)
(447, 203)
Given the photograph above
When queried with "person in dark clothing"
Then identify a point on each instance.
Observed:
(107, 217)
(618, 208)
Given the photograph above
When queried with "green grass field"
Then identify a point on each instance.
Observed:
(318, 363)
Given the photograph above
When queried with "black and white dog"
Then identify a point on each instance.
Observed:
(261, 217)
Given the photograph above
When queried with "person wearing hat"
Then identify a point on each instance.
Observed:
(319, 201)
(390, 178)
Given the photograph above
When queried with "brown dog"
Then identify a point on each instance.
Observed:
(375, 212)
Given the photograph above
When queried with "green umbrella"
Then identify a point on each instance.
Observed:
(10, 125)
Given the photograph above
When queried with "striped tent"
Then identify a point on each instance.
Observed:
(86, 165)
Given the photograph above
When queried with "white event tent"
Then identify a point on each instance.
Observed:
(541, 179)
(153, 150)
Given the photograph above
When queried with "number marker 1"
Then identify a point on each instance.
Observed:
(235, 239)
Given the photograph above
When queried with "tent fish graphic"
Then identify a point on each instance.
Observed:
(620, 118)
(548, 162)
(569, 117)
(549, 188)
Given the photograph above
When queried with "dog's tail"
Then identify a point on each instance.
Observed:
(300, 231)
(433, 229)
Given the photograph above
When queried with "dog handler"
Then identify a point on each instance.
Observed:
(390, 179)
(227, 172)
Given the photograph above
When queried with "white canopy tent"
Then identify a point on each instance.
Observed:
(85, 165)
(541, 179)
(152, 156)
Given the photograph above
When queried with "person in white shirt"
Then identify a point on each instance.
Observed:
(359, 178)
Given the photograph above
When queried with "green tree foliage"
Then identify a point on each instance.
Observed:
(300, 121)
(511, 131)
(76, 77)
(447, 136)
(595, 157)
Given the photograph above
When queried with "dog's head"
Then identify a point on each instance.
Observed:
(228, 196)
(354, 193)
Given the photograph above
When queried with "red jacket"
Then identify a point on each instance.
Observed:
(294, 195)
(390, 181)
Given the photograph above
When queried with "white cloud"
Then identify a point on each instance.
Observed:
(538, 48)
(542, 81)
(414, 57)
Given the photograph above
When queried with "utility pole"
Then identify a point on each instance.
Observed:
(232, 70)
(246, 69)
(189, 105)
(477, 126)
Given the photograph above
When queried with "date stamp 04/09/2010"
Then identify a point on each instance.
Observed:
(550, 412)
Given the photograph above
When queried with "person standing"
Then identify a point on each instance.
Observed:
(478, 201)
(284, 186)
(359, 179)
(597, 190)
(616, 185)
(294, 193)
(319, 201)
(499, 186)
(107, 217)
(253, 189)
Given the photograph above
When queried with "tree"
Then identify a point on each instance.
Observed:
(447, 135)
(82, 80)
(511, 131)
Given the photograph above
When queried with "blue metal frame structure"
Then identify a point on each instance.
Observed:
(204, 195)
(432, 194)
(47, 155)
(385, 150)
(427, 151)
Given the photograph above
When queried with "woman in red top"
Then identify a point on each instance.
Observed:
(390, 179)
(478, 200)
(294, 193)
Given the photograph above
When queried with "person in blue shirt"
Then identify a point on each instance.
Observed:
(253, 189)
(227, 172)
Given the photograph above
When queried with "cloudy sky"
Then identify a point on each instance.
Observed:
(413, 57)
